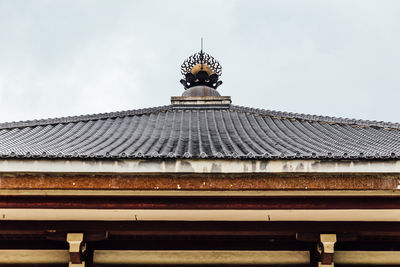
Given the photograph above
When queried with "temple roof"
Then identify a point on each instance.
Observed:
(204, 132)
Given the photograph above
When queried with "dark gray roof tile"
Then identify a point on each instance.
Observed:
(166, 132)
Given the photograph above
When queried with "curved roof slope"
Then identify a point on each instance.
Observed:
(170, 132)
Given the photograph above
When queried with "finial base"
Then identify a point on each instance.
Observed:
(200, 78)
(201, 90)
(199, 97)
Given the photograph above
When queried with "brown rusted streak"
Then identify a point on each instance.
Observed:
(288, 181)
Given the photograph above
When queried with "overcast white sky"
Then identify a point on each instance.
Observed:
(62, 58)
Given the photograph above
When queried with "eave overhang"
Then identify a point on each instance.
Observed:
(199, 166)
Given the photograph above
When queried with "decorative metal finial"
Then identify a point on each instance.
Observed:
(201, 54)
(201, 69)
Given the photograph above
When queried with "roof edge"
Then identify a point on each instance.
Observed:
(127, 166)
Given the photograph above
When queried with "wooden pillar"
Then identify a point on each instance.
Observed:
(326, 250)
(76, 249)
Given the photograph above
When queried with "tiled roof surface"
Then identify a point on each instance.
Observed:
(168, 132)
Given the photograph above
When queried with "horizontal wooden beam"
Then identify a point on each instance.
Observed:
(369, 228)
(370, 215)
(199, 202)
(199, 193)
(200, 257)
(37, 256)
(381, 258)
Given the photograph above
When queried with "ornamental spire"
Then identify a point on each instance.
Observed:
(201, 69)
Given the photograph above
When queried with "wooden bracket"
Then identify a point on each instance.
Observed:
(326, 249)
(76, 249)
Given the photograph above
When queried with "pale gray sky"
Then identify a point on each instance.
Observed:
(63, 58)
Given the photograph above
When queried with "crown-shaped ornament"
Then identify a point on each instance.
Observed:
(201, 69)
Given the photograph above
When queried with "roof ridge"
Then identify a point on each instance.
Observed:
(316, 118)
(87, 117)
